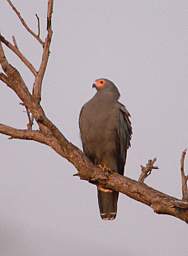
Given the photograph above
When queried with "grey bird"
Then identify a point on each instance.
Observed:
(106, 131)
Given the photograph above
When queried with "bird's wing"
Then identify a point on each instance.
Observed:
(124, 134)
(125, 124)
(82, 127)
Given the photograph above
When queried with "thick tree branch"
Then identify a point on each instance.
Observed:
(16, 50)
(161, 203)
(36, 36)
(3, 78)
(23, 134)
(14, 80)
(184, 178)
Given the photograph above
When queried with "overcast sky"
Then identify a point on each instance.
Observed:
(143, 47)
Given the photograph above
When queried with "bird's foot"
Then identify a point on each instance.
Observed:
(105, 168)
(107, 171)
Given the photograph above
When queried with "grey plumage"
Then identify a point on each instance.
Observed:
(106, 131)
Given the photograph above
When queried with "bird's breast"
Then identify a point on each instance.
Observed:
(99, 121)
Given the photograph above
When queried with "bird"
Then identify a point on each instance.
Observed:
(106, 131)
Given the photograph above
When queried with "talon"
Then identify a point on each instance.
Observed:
(104, 167)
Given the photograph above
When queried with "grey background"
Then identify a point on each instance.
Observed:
(143, 47)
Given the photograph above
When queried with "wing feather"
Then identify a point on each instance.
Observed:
(124, 135)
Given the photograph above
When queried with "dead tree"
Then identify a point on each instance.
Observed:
(48, 134)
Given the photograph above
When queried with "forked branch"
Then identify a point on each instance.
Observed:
(14, 133)
(146, 170)
(14, 48)
(37, 87)
(39, 75)
(184, 177)
(36, 36)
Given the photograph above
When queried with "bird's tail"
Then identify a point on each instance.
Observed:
(107, 200)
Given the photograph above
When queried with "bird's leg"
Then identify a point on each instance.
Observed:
(107, 172)
(105, 168)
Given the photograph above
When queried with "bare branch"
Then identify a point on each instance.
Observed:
(30, 123)
(3, 78)
(14, 41)
(49, 14)
(184, 178)
(23, 134)
(38, 24)
(146, 170)
(36, 36)
(17, 84)
(30, 118)
(16, 50)
(37, 87)
(13, 80)
(161, 203)
(3, 61)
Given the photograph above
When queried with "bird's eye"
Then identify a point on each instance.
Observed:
(101, 82)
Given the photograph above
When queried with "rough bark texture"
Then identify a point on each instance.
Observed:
(184, 178)
(50, 135)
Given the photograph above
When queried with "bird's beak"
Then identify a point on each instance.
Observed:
(93, 85)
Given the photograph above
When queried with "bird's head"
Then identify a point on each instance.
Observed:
(104, 85)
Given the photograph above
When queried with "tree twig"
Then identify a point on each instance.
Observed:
(146, 170)
(37, 87)
(36, 36)
(29, 115)
(14, 41)
(49, 14)
(16, 50)
(38, 24)
(23, 134)
(30, 119)
(184, 178)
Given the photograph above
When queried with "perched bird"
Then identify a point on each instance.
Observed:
(105, 130)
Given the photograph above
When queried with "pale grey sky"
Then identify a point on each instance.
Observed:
(143, 47)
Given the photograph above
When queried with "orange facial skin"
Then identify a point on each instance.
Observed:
(100, 83)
